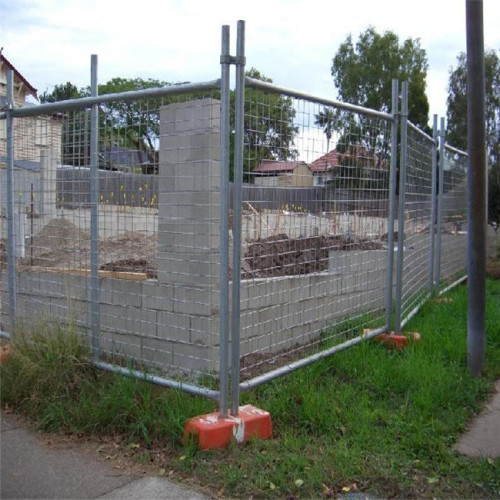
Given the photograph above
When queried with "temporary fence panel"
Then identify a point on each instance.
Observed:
(453, 231)
(313, 272)
(157, 239)
(417, 222)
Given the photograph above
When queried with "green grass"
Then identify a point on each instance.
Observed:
(369, 419)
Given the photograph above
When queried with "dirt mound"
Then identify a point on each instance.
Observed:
(61, 231)
(59, 243)
(279, 255)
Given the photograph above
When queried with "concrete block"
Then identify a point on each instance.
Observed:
(255, 345)
(76, 287)
(194, 359)
(114, 318)
(120, 345)
(174, 326)
(142, 322)
(299, 288)
(121, 292)
(249, 319)
(157, 296)
(204, 330)
(47, 284)
(193, 269)
(196, 301)
(160, 352)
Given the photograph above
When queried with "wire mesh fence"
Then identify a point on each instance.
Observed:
(453, 231)
(120, 227)
(157, 228)
(314, 227)
(418, 223)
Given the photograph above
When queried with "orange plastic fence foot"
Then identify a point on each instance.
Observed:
(213, 431)
(4, 352)
(393, 341)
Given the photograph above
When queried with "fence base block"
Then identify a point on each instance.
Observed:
(213, 431)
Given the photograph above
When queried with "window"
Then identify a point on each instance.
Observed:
(42, 132)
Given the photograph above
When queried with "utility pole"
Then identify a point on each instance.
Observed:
(476, 191)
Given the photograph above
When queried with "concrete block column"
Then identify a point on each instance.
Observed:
(48, 173)
(188, 193)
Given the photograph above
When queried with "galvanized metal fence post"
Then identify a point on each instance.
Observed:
(94, 214)
(437, 272)
(392, 204)
(237, 199)
(433, 204)
(401, 210)
(477, 192)
(11, 257)
(224, 222)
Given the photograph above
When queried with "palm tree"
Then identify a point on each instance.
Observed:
(327, 118)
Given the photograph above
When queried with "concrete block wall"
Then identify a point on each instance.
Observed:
(175, 329)
(151, 322)
(280, 313)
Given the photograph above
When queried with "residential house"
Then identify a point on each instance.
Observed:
(125, 159)
(31, 134)
(283, 174)
(327, 167)
(37, 149)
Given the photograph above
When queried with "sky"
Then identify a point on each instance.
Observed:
(291, 41)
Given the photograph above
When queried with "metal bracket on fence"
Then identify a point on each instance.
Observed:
(236, 60)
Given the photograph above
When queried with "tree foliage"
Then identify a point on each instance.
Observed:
(456, 133)
(76, 126)
(61, 92)
(363, 72)
(132, 124)
(269, 128)
(329, 120)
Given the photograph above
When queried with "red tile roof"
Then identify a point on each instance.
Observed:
(278, 166)
(30, 89)
(333, 158)
(326, 162)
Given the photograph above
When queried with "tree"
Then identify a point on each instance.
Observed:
(363, 72)
(456, 132)
(61, 92)
(269, 129)
(76, 126)
(132, 124)
(328, 119)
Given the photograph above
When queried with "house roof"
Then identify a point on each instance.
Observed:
(124, 156)
(277, 167)
(333, 158)
(326, 162)
(29, 88)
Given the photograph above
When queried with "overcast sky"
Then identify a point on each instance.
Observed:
(291, 41)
